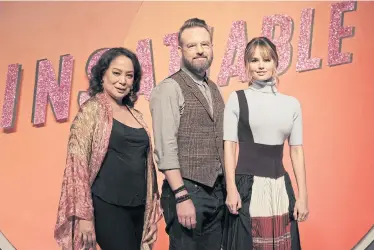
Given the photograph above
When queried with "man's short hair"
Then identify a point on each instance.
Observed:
(192, 23)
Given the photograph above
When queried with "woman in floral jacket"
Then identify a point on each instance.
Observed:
(109, 192)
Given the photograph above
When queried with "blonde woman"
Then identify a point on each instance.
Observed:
(263, 212)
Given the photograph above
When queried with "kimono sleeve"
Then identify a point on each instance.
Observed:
(75, 200)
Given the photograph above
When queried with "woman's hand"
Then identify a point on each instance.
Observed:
(301, 210)
(87, 233)
(233, 200)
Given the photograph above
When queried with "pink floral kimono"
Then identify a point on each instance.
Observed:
(87, 147)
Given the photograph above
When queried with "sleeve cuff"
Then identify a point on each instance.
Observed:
(168, 165)
(233, 139)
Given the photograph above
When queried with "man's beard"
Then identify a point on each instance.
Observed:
(197, 69)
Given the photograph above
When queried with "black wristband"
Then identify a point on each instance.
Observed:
(180, 189)
(182, 198)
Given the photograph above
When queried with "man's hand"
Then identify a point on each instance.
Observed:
(186, 212)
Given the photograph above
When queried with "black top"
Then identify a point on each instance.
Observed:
(255, 158)
(122, 177)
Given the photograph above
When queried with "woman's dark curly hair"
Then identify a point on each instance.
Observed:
(98, 71)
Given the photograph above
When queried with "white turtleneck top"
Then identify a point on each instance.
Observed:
(273, 117)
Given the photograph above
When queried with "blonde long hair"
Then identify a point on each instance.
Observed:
(267, 48)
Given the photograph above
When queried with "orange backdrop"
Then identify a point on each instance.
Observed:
(337, 105)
